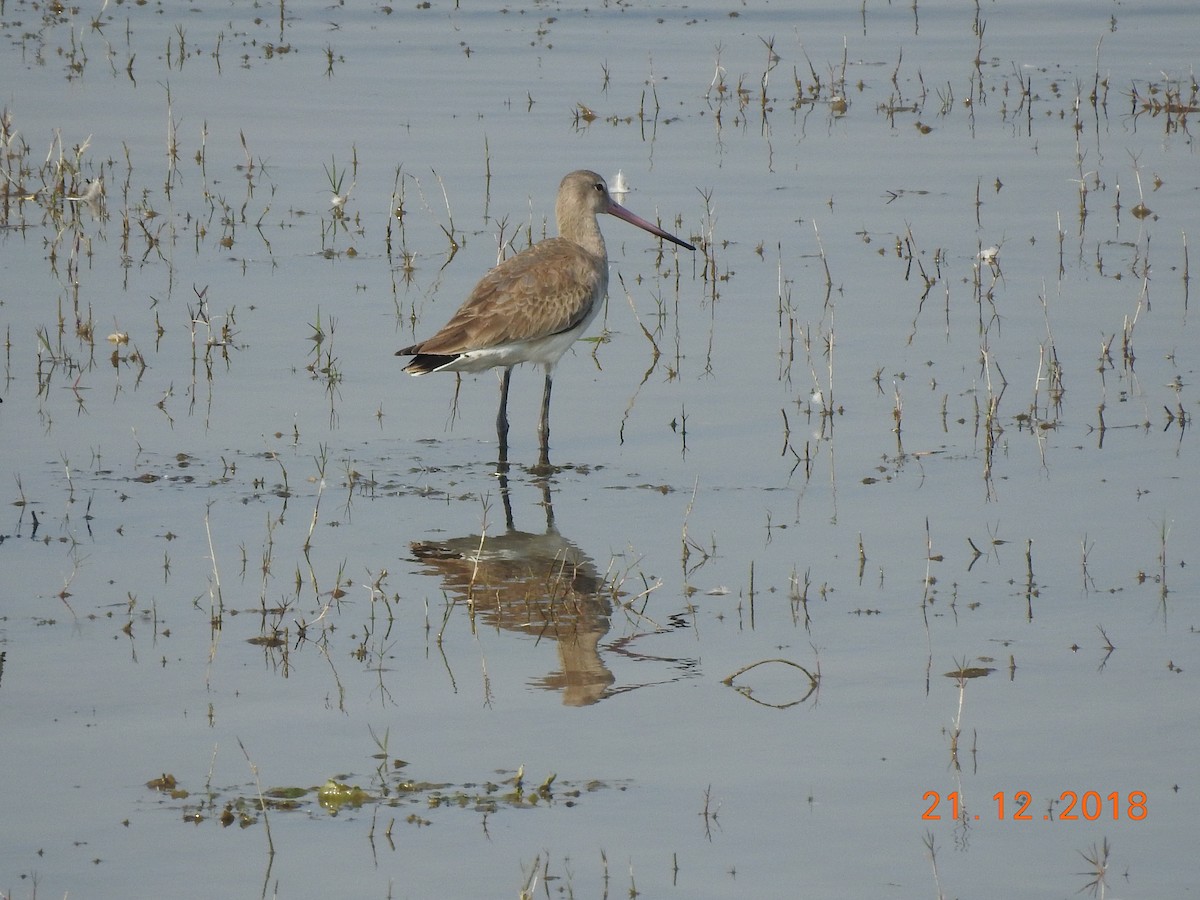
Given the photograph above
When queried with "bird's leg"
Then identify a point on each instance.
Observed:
(502, 416)
(544, 424)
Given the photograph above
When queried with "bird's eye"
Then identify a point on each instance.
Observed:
(599, 186)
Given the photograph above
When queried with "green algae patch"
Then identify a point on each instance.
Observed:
(244, 806)
(334, 795)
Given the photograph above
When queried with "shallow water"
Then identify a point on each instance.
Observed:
(836, 436)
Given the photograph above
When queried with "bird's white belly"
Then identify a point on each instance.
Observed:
(543, 350)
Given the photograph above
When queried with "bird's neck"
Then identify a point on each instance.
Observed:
(584, 231)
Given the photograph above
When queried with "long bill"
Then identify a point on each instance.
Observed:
(616, 209)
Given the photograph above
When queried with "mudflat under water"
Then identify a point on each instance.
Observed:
(867, 567)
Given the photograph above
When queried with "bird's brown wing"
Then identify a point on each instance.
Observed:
(541, 291)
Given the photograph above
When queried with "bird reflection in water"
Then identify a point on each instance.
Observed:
(537, 584)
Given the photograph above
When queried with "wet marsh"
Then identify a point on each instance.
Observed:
(874, 513)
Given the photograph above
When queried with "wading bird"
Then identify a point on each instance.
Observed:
(533, 306)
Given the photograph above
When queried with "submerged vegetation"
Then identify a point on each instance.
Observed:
(385, 792)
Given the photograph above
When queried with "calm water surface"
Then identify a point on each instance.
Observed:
(912, 429)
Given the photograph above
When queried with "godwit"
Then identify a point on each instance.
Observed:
(533, 306)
